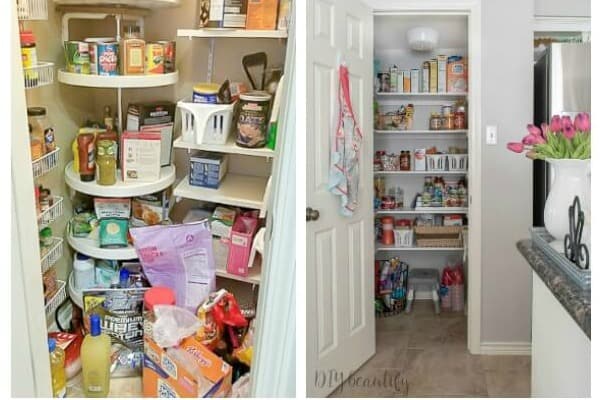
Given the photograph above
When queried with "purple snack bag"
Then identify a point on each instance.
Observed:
(179, 257)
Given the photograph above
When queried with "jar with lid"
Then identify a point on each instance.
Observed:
(435, 122)
(38, 124)
(107, 162)
(29, 57)
(460, 120)
(448, 121)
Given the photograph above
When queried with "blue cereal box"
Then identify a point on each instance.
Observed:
(207, 169)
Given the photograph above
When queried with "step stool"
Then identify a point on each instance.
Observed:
(424, 279)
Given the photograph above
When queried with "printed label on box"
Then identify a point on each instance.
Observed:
(239, 241)
(168, 365)
(163, 390)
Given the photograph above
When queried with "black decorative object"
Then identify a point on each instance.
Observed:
(575, 251)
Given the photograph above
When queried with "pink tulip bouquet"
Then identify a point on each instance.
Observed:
(561, 139)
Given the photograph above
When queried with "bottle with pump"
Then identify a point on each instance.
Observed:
(95, 360)
(57, 369)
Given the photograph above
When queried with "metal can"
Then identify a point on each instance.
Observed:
(77, 55)
(253, 119)
(169, 55)
(108, 58)
(155, 59)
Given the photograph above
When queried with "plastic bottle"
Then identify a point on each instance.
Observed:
(95, 360)
(124, 278)
(83, 270)
(57, 369)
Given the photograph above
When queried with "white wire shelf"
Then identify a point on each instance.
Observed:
(52, 255)
(383, 247)
(426, 95)
(57, 298)
(420, 173)
(52, 213)
(39, 75)
(45, 163)
(32, 10)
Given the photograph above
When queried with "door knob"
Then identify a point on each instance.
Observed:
(311, 215)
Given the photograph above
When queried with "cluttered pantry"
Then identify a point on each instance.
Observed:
(154, 128)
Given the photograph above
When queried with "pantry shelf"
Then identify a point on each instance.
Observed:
(235, 190)
(120, 189)
(57, 299)
(232, 33)
(424, 133)
(90, 247)
(46, 163)
(426, 95)
(52, 213)
(118, 81)
(437, 173)
(424, 210)
(383, 247)
(230, 148)
(253, 274)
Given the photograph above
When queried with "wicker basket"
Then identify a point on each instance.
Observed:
(438, 236)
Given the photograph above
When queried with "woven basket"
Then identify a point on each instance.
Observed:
(438, 236)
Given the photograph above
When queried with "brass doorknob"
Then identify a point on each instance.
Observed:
(311, 215)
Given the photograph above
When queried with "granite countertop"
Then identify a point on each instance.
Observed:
(575, 300)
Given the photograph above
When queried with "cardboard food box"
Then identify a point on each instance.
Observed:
(457, 74)
(262, 14)
(222, 221)
(189, 370)
(207, 169)
(155, 116)
(441, 74)
(150, 209)
(433, 75)
(140, 156)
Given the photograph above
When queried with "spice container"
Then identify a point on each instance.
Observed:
(107, 162)
(46, 237)
(38, 124)
(435, 122)
(446, 110)
(133, 48)
(448, 121)
(29, 56)
(460, 121)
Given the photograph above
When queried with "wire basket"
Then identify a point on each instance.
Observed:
(403, 237)
(54, 253)
(41, 74)
(32, 9)
(59, 296)
(51, 214)
(203, 123)
(439, 236)
(457, 162)
(436, 162)
(45, 163)
(391, 287)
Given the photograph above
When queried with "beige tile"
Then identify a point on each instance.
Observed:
(444, 371)
(505, 363)
(510, 383)
(438, 331)
(399, 322)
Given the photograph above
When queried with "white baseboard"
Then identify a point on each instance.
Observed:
(505, 348)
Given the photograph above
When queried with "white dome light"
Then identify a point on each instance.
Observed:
(422, 38)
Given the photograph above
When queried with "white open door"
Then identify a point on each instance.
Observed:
(340, 318)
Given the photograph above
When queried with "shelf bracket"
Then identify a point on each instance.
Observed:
(211, 60)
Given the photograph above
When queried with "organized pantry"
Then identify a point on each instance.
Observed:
(420, 162)
(153, 134)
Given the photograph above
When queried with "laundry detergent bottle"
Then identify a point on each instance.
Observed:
(95, 360)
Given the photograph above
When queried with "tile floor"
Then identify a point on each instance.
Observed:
(425, 355)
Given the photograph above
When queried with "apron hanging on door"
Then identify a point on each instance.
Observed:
(345, 150)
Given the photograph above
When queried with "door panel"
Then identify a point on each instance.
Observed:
(340, 315)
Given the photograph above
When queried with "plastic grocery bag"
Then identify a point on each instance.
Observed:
(179, 257)
(173, 324)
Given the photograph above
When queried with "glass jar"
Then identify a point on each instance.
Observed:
(107, 162)
(38, 124)
(448, 121)
(460, 120)
(435, 122)
(405, 161)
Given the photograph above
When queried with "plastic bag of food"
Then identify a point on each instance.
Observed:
(179, 257)
(172, 325)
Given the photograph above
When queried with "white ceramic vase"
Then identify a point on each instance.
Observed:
(570, 178)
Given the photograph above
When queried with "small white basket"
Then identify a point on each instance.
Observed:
(32, 9)
(53, 254)
(52, 213)
(203, 123)
(41, 74)
(457, 162)
(437, 162)
(45, 163)
(57, 299)
(403, 237)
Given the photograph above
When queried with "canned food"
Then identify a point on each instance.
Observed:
(169, 55)
(446, 110)
(253, 119)
(77, 55)
(93, 50)
(155, 60)
(108, 58)
(205, 93)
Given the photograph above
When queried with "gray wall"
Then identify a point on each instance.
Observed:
(507, 102)
(561, 8)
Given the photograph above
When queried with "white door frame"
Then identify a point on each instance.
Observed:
(472, 9)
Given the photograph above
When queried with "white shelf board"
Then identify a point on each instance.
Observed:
(253, 274)
(424, 210)
(426, 95)
(118, 81)
(120, 189)
(420, 173)
(234, 190)
(230, 148)
(421, 132)
(121, 3)
(232, 33)
(90, 247)
(383, 247)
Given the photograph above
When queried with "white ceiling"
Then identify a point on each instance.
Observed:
(390, 30)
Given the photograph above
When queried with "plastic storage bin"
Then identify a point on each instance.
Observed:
(457, 162)
(436, 162)
(242, 233)
(203, 123)
(403, 237)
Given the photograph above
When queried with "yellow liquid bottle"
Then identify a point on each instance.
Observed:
(57, 369)
(95, 360)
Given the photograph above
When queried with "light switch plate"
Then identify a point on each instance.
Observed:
(491, 134)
